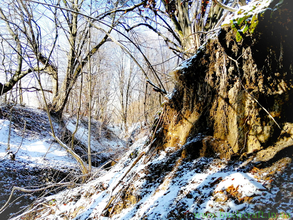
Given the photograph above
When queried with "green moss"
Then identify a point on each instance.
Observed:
(245, 29)
(244, 25)
(53, 201)
(254, 23)
(240, 21)
(238, 36)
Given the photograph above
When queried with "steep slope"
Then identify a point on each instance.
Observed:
(237, 89)
(221, 147)
(34, 159)
(172, 186)
(35, 162)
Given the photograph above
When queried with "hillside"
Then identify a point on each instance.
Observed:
(36, 163)
(221, 148)
(173, 187)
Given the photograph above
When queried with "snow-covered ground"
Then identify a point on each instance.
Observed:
(39, 159)
(34, 145)
(101, 140)
(168, 186)
(171, 187)
(105, 144)
(33, 150)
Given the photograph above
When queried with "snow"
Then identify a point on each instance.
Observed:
(38, 155)
(41, 150)
(200, 185)
(167, 186)
(201, 188)
(36, 152)
(99, 142)
(252, 8)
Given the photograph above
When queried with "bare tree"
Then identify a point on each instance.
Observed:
(184, 25)
(124, 81)
(23, 37)
(71, 28)
(76, 30)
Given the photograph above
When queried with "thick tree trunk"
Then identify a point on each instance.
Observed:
(73, 72)
(234, 96)
(60, 99)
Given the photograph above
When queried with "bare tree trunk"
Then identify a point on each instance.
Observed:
(90, 107)
(20, 94)
(60, 100)
(73, 72)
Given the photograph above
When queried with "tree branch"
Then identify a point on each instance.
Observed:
(119, 10)
(225, 6)
(156, 88)
(17, 76)
(156, 31)
(29, 191)
(36, 89)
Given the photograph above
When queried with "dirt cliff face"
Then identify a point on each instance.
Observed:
(234, 97)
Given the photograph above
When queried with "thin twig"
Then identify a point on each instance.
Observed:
(78, 113)
(112, 198)
(79, 160)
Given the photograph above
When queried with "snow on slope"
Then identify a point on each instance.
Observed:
(252, 8)
(169, 187)
(38, 148)
(35, 148)
(105, 144)
(39, 159)
(99, 141)
(166, 187)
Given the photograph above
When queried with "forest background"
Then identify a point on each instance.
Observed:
(105, 59)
